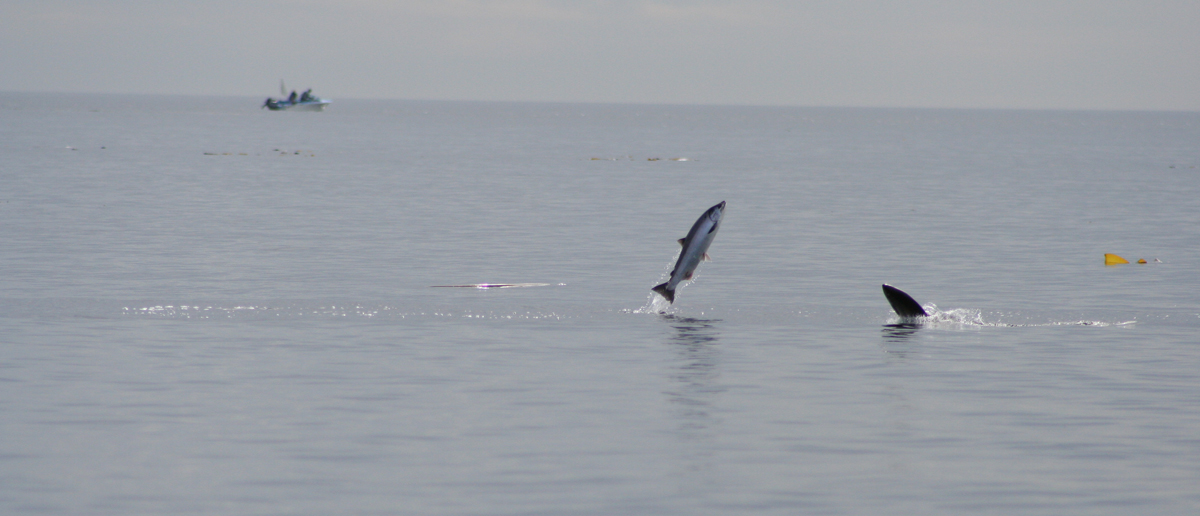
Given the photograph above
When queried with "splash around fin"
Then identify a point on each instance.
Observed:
(902, 303)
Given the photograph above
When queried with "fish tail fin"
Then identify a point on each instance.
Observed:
(663, 291)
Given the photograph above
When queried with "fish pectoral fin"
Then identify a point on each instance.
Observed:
(706, 258)
(687, 277)
(681, 241)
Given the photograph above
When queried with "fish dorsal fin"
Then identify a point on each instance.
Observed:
(706, 258)
(902, 303)
(1112, 259)
(681, 241)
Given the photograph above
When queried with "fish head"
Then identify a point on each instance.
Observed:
(714, 213)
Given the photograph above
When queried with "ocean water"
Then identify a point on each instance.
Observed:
(209, 308)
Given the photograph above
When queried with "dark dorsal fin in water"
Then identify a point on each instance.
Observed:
(903, 304)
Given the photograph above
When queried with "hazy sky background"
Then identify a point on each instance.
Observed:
(1070, 54)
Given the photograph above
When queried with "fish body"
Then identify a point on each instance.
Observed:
(695, 249)
(904, 305)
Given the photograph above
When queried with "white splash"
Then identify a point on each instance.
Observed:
(964, 318)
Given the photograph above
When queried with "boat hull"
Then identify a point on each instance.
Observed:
(312, 105)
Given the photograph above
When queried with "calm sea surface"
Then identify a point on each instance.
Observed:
(209, 308)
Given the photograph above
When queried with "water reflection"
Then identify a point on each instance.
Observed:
(693, 331)
(899, 333)
(695, 373)
(692, 393)
(894, 334)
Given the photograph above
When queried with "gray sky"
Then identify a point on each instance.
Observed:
(1070, 54)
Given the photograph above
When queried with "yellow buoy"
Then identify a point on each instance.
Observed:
(1112, 259)
(1141, 260)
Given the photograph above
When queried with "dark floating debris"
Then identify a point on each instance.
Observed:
(494, 285)
(631, 158)
(281, 153)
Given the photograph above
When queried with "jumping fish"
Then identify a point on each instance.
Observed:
(904, 305)
(695, 249)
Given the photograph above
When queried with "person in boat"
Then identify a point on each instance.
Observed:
(306, 96)
(292, 97)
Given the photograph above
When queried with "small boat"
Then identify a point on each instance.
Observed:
(305, 102)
